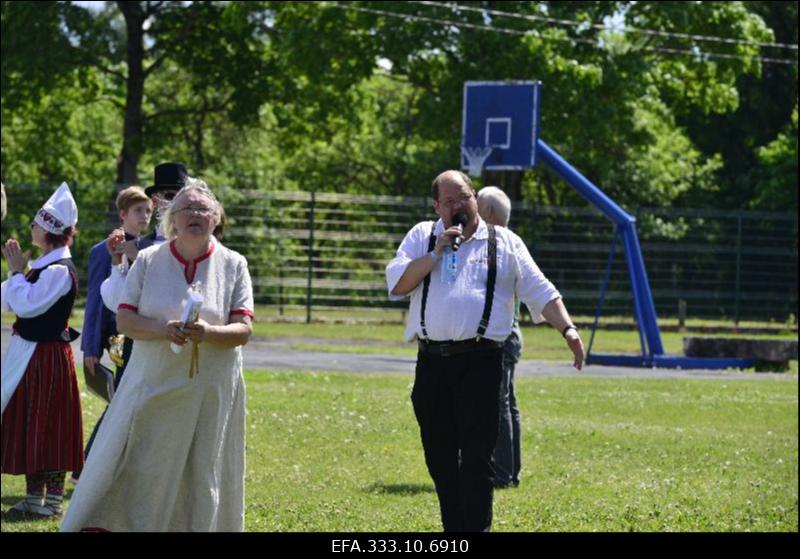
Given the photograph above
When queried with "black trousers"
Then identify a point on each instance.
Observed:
(456, 404)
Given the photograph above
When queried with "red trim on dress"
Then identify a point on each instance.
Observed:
(128, 307)
(251, 314)
(189, 279)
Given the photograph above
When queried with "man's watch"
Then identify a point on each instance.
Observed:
(434, 256)
(568, 327)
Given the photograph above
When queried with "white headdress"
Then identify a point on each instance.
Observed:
(59, 212)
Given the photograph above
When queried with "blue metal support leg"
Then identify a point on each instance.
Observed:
(644, 307)
(603, 289)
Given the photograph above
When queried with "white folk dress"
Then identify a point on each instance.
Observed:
(169, 455)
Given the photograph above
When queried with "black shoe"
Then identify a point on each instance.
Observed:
(32, 513)
(503, 484)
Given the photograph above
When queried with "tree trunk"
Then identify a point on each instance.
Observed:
(199, 138)
(132, 144)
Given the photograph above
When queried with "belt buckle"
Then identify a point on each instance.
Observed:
(444, 349)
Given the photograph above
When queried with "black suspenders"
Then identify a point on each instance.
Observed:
(425, 285)
(490, 283)
(487, 307)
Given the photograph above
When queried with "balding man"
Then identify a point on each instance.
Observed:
(461, 312)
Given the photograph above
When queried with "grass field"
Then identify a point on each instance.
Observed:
(339, 452)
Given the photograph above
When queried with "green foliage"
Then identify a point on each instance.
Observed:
(319, 96)
(63, 136)
(777, 186)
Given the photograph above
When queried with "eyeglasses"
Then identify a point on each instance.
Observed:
(168, 195)
(449, 203)
(199, 211)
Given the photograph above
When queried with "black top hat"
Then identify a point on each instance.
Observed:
(168, 176)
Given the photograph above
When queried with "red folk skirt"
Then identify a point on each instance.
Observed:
(42, 428)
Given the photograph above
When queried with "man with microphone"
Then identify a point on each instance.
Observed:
(462, 276)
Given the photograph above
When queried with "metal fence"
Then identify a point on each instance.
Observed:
(322, 255)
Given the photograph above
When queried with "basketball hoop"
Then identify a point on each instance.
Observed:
(476, 158)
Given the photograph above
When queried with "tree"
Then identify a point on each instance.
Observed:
(218, 44)
(609, 98)
(366, 96)
(776, 178)
(766, 99)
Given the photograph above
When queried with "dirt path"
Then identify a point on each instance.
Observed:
(277, 354)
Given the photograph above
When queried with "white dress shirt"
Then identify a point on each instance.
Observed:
(113, 287)
(453, 312)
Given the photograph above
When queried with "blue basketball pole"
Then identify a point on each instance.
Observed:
(644, 308)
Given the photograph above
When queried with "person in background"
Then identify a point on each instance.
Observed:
(169, 178)
(494, 207)
(99, 324)
(219, 230)
(42, 428)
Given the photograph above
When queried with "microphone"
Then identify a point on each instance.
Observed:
(460, 219)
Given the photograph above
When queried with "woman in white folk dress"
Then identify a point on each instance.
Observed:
(169, 455)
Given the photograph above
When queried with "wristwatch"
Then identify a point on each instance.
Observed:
(568, 327)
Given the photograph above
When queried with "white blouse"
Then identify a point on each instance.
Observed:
(26, 299)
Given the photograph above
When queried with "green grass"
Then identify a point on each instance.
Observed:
(341, 452)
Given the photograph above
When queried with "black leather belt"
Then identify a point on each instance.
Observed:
(450, 347)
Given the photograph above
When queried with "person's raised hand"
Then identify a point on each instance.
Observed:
(113, 241)
(446, 239)
(17, 260)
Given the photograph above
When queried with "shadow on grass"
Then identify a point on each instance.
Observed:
(13, 517)
(11, 500)
(403, 489)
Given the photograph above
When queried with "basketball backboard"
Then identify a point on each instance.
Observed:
(500, 125)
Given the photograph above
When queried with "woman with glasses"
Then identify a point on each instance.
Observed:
(169, 455)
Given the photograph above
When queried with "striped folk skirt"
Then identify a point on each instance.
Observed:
(42, 428)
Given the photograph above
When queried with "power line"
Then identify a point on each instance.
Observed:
(493, 29)
(628, 29)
